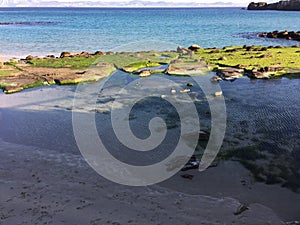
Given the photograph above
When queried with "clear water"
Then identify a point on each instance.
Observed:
(91, 29)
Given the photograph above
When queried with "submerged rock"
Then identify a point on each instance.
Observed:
(218, 93)
(186, 90)
(187, 176)
(216, 78)
(173, 91)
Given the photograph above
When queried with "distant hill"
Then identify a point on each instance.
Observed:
(289, 5)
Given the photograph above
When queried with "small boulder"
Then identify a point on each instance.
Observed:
(50, 56)
(183, 50)
(194, 47)
(65, 54)
(173, 91)
(29, 57)
(99, 53)
(145, 73)
(186, 90)
(86, 54)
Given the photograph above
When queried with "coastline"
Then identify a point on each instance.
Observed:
(229, 63)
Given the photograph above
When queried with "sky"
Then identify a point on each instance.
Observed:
(125, 3)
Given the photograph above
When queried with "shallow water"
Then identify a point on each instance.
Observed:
(263, 109)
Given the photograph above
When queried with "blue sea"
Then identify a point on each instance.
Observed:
(53, 30)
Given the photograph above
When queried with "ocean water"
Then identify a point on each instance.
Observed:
(52, 30)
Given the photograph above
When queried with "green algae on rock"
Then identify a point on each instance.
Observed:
(229, 63)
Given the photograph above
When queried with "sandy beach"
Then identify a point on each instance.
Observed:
(41, 187)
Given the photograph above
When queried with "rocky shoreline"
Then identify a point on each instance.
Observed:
(291, 5)
(288, 35)
(229, 63)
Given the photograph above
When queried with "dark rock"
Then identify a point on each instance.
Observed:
(99, 53)
(289, 35)
(257, 73)
(203, 136)
(65, 54)
(29, 57)
(50, 56)
(263, 34)
(215, 51)
(193, 163)
(231, 50)
(263, 49)
(291, 5)
(187, 176)
(266, 56)
(249, 48)
(242, 208)
(86, 54)
(273, 68)
(194, 47)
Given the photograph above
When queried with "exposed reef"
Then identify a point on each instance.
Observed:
(289, 5)
(229, 63)
(288, 35)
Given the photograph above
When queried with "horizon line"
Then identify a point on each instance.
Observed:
(213, 6)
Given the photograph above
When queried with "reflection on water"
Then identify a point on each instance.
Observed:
(261, 113)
